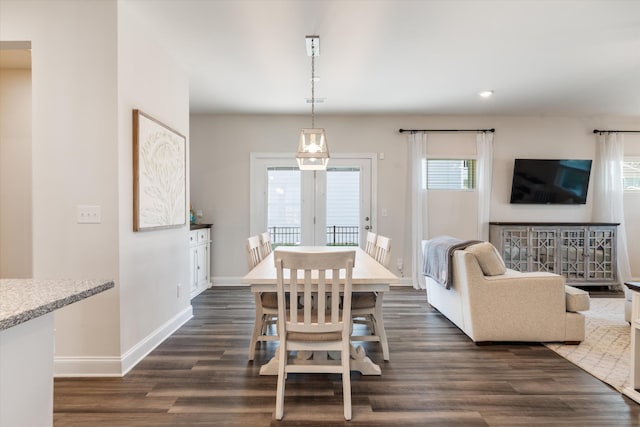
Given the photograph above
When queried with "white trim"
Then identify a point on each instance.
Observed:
(119, 366)
(88, 366)
(227, 281)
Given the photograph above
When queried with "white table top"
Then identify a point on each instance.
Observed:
(366, 270)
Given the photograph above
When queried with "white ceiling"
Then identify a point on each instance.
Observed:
(576, 57)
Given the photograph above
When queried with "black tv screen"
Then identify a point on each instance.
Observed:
(542, 181)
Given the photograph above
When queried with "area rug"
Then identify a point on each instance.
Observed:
(605, 352)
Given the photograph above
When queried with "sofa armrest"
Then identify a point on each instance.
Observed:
(510, 306)
(577, 299)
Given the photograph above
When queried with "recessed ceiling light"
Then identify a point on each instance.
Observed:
(486, 93)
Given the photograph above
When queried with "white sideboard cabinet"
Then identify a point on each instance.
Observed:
(199, 258)
(584, 253)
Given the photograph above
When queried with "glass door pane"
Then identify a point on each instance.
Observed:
(284, 211)
(343, 206)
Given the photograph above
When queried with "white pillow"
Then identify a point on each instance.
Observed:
(489, 259)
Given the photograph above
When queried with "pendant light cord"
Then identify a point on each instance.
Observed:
(313, 81)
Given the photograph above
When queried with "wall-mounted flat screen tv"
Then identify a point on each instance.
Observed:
(550, 182)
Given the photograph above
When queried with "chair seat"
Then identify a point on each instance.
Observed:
(306, 337)
(363, 300)
(269, 299)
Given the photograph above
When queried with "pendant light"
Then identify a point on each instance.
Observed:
(313, 152)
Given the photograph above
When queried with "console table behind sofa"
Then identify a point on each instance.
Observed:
(584, 253)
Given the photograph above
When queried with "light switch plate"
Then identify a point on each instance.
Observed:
(89, 214)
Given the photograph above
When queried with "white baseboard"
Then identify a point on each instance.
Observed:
(228, 281)
(86, 367)
(119, 366)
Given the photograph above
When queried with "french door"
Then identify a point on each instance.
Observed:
(332, 207)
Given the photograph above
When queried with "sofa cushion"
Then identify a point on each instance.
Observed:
(489, 259)
(576, 299)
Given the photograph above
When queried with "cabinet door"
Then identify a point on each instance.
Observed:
(201, 256)
(600, 254)
(543, 249)
(193, 263)
(516, 248)
(573, 242)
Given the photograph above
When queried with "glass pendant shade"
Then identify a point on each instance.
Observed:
(313, 152)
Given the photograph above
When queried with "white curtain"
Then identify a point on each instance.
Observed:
(484, 150)
(419, 224)
(608, 200)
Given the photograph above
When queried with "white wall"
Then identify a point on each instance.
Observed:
(632, 209)
(15, 173)
(74, 157)
(221, 144)
(91, 65)
(152, 263)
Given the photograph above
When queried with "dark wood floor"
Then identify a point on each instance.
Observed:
(200, 376)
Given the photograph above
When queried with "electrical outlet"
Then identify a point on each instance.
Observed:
(89, 214)
(179, 288)
(199, 213)
(400, 263)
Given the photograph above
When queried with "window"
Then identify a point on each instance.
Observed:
(631, 175)
(449, 174)
(284, 208)
(343, 206)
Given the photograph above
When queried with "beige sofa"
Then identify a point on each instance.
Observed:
(512, 306)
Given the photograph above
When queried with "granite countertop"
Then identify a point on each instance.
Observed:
(24, 299)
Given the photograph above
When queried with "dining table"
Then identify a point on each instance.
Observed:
(368, 275)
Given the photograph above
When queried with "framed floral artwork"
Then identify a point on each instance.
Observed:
(159, 175)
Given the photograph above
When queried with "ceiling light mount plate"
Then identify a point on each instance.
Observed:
(315, 42)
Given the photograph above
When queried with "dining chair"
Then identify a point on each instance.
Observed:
(370, 245)
(254, 255)
(383, 247)
(323, 324)
(265, 243)
(367, 306)
(266, 302)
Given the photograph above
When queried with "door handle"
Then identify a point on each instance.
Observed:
(366, 227)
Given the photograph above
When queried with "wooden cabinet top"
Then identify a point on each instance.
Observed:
(574, 224)
(200, 226)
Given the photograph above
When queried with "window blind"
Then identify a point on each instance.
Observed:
(449, 174)
(631, 175)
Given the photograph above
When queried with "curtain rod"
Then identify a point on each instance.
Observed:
(615, 131)
(445, 130)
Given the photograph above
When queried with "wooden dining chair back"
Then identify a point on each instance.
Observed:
(383, 249)
(319, 280)
(370, 245)
(265, 243)
(254, 255)
(266, 303)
